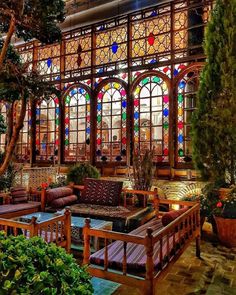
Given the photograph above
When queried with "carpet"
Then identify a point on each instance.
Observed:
(104, 287)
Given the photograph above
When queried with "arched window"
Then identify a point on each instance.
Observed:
(77, 125)
(23, 144)
(3, 112)
(47, 129)
(111, 140)
(186, 102)
(151, 117)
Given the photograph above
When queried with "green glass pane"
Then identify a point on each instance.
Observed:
(87, 96)
(99, 118)
(180, 98)
(180, 152)
(57, 121)
(145, 81)
(67, 100)
(124, 116)
(156, 79)
(165, 125)
(67, 142)
(136, 128)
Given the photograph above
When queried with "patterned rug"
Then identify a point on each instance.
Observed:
(104, 287)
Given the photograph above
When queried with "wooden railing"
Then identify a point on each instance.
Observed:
(177, 235)
(55, 230)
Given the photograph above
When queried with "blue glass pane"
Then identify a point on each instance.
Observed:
(154, 13)
(49, 62)
(95, 84)
(124, 104)
(182, 85)
(73, 91)
(44, 146)
(180, 138)
(88, 130)
(153, 61)
(136, 115)
(30, 122)
(114, 47)
(81, 90)
(175, 72)
(57, 111)
(38, 112)
(99, 107)
(67, 131)
(166, 112)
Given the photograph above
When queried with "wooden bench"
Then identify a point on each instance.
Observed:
(161, 248)
(54, 230)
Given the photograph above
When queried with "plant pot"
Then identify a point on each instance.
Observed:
(224, 192)
(202, 220)
(226, 229)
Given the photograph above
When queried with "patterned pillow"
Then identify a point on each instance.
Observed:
(101, 192)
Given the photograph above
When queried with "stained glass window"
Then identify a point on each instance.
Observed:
(111, 135)
(186, 100)
(47, 129)
(151, 117)
(3, 112)
(77, 124)
(23, 144)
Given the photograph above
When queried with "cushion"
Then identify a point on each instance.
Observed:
(19, 195)
(62, 202)
(172, 215)
(58, 192)
(101, 192)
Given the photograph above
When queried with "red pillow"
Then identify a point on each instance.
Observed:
(62, 202)
(172, 215)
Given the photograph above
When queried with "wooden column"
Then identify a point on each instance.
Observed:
(149, 263)
(68, 229)
(86, 252)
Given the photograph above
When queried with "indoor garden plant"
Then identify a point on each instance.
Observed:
(225, 217)
(31, 266)
(79, 172)
(214, 121)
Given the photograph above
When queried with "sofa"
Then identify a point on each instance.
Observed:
(20, 202)
(142, 257)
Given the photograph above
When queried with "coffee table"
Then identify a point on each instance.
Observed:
(77, 224)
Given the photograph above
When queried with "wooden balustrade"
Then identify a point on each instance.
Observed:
(54, 230)
(177, 235)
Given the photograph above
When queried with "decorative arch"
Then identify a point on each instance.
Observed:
(3, 111)
(77, 123)
(23, 145)
(111, 123)
(47, 129)
(151, 108)
(185, 88)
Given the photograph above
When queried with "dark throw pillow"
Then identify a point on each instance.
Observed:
(172, 215)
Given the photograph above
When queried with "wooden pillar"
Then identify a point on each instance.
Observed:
(156, 202)
(68, 229)
(149, 263)
(43, 199)
(86, 252)
(34, 227)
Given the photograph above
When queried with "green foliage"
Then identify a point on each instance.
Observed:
(214, 121)
(78, 173)
(31, 266)
(7, 179)
(3, 125)
(143, 170)
(35, 18)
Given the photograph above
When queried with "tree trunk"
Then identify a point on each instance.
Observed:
(7, 41)
(14, 138)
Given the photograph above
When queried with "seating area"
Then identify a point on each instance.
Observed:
(118, 147)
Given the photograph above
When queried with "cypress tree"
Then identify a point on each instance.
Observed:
(214, 121)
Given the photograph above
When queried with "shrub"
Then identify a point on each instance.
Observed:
(78, 173)
(31, 266)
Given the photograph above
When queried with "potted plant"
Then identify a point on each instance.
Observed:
(31, 266)
(78, 173)
(214, 121)
(225, 217)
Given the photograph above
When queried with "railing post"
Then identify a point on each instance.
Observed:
(68, 229)
(86, 251)
(198, 229)
(34, 227)
(149, 263)
(43, 199)
(156, 202)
